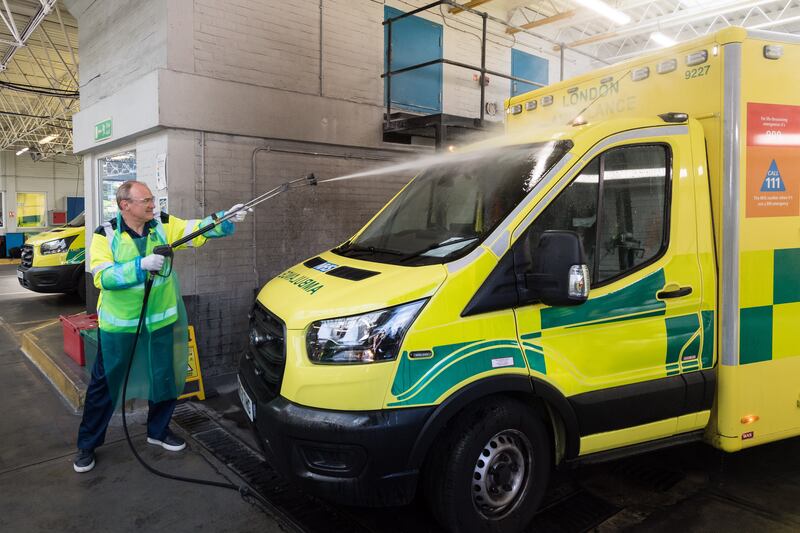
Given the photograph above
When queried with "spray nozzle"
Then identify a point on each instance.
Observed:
(311, 179)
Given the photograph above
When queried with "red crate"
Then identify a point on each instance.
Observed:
(73, 342)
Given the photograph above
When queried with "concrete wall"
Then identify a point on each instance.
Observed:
(210, 81)
(21, 174)
(119, 42)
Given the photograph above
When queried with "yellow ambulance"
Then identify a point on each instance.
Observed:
(616, 274)
(54, 261)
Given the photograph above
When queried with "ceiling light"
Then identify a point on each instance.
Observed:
(605, 10)
(662, 40)
(49, 138)
(20, 152)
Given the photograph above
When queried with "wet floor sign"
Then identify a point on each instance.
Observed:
(194, 378)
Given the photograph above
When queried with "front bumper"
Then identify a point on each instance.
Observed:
(349, 457)
(61, 278)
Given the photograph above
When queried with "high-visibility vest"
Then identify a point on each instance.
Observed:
(115, 263)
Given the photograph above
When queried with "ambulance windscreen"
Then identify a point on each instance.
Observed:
(449, 208)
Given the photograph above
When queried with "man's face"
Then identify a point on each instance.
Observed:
(141, 205)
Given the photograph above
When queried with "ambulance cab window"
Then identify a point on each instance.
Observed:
(575, 209)
(618, 206)
(633, 217)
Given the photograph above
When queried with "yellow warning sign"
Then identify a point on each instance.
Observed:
(194, 378)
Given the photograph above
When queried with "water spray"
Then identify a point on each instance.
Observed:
(167, 250)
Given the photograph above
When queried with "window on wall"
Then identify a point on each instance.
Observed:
(113, 171)
(31, 210)
(618, 205)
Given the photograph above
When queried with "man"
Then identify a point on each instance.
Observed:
(122, 259)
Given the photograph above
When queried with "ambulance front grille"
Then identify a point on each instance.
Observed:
(269, 354)
(27, 256)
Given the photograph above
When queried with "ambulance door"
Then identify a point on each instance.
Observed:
(619, 356)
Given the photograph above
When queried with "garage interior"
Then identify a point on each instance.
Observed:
(213, 102)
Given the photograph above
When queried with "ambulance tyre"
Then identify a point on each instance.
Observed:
(490, 471)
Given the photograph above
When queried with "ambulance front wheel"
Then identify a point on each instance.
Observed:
(490, 472)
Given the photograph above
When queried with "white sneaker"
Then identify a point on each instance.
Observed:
(170, 442)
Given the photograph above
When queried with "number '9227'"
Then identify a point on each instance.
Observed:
(696, 72)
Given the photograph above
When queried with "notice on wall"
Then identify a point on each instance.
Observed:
(161, 171)
(773, 160)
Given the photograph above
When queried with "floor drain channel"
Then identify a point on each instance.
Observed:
(292, 505)
(649, 475)
(190, 420)
(577, 513)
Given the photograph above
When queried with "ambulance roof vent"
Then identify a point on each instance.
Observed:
(673, 117)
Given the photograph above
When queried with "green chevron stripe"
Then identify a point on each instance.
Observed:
(472, 364)
(441, 364)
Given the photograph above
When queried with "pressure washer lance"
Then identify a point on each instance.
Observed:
(167, 252)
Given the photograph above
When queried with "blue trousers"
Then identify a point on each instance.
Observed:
(99, 406)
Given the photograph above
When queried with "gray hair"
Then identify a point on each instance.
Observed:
(124, 192)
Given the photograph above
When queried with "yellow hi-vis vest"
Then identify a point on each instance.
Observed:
(115, 264)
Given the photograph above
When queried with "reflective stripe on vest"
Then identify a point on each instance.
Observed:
(190, 227)
(120, 309)
(102, 266)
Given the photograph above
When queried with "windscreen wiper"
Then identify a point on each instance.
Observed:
(370, 250)
(434, 246)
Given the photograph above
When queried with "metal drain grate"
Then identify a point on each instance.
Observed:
(576, 513)
(190, 420)
(294, 507)
(648, 474)
(569, 509)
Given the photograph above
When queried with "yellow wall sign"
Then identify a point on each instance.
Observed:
(194, 378)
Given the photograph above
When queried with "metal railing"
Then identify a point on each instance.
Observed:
(481, 69)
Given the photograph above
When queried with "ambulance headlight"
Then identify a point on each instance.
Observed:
(56, 246)
(367, 338)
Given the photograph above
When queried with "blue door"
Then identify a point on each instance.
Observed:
(414, 40)
(527, 66)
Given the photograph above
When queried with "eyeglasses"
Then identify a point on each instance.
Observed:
(143, 201)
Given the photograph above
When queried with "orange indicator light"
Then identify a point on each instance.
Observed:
(749, 419)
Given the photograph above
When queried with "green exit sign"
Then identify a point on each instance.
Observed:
(102, 130)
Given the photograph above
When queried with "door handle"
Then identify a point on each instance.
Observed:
(673, 291)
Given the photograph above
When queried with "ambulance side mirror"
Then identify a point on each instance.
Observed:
(559, 275)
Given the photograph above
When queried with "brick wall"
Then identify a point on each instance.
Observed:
(277, 44)
(274, 44)
(288, 229)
